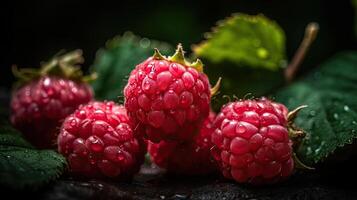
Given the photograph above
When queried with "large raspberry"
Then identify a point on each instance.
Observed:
(167, 98)
(39, 105)
(186, 157)
(252, 141)
(98, 141)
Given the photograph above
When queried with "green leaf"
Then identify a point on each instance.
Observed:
(114, 62)
(21, 165)
(245, 40)
(331, 117)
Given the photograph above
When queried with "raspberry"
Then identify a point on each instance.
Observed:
(40, 105)
(167, 98)
(251, 141)
(187, 157)
(98, 141)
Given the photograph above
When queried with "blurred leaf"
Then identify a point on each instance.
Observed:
(331, 118)
(23, 166)
(114, 62)
(245, 40)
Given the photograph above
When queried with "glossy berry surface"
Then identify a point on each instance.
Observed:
(98, 141)
(39, 107)
(188, 157)
(167, 100)
(251, 142)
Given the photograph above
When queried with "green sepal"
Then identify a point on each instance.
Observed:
(66, 65)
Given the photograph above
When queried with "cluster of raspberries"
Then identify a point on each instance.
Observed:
(166, 113)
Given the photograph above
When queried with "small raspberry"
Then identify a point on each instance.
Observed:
(39, 105)
(252, 141)
(98, 141)
(186, 157)
(167, 98)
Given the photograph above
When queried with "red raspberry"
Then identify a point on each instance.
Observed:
(98, 141)
(40, 105)
(187, 157)
(252, 141)
(167, 98)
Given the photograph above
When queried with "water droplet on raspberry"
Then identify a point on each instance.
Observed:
(149, 86)
(188, 80)
(241, 129)
(94, 144)
(176, 69)
(186, 99)
(246, 130)
(171, 99)
(124, 131)
(267, 119)
(79, 147)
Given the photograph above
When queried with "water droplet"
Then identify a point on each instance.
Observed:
(8, 156)
(346, 108)
(335, 116)
(354, 122)
(179, 196)
(162, 197)
(144, 43)
(317, 151)
(262, 53)
(312, 113)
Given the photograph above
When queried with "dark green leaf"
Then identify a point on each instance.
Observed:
(114, 62)
(245, 40)
(331, 118)
(21, 165)
(248, 52)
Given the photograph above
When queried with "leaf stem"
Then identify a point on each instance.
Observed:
(310, 35)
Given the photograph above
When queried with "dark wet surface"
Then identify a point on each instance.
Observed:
(153, 184)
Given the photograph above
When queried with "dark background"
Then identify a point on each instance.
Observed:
(35, 30)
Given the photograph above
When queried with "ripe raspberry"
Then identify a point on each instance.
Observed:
(186, 157)
(98, 141)
(40, 105)
(252, 141)
(167, 98)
